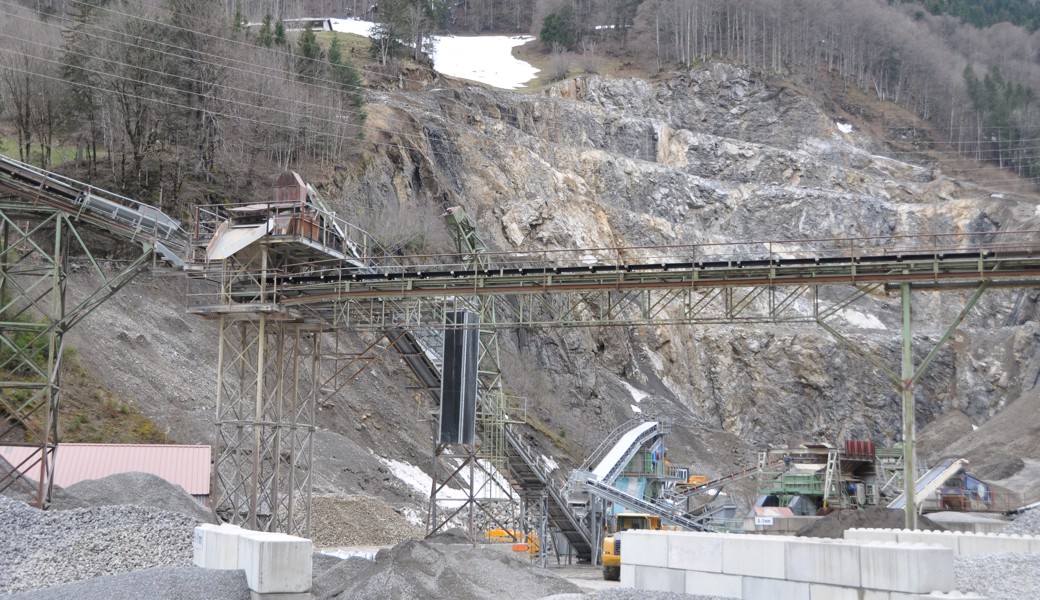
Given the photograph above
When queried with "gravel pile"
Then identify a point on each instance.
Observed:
(40, 549)
(338, 521)
(1027, 523)
(999, 576)
(835, 524)
(176, 583)
(415, 570)
(140, 489)
(630, 594)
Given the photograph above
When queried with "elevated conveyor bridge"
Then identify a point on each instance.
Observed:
(309, 274)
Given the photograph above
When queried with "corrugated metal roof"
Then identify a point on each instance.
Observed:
(186, 466)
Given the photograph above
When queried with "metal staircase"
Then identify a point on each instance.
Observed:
(528, 477)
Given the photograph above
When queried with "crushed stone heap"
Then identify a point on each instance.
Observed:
(416, 569)
(41, 549)
(1027, 523)
(355, 520)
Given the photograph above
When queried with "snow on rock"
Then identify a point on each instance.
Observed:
(844, 127)
(414, 477)
(635, 408)
(637, 394)
(858, 319)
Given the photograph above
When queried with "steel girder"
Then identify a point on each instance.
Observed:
(36, 310)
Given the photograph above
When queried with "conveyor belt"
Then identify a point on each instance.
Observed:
(37, 193)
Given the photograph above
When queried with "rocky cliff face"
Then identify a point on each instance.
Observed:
(716, 154)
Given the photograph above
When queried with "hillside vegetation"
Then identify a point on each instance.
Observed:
(181, 101)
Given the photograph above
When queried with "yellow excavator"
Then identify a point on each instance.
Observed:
(611, 557)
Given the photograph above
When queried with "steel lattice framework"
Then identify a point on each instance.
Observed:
(808, 281)
(280, 300)
(48, 224)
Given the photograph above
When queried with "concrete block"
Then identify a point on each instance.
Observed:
(954, 595)
(823, 561)
(754, 555)
(871, 535)
(906, 567)
(990, 543)
(714, 584)
(834, 592)
(660, 579)
(275, 563)
(948, 539)
(647, 548)
(757, 588)
(288, 596)
(695, 551)
(628, 576)
(216, 546)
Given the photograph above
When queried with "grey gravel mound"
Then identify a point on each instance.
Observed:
(449, 536)
(415, 570)
(631, 594)
(320, 563)
(177, 583)
(141, 489)
(1027, 523)
(835, 524)
(41, 549)
(999, 576)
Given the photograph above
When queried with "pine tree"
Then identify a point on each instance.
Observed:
(308, 55)
(346, 75)
(279, 34)
(264, 37)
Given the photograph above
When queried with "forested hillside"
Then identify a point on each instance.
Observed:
(177, 100)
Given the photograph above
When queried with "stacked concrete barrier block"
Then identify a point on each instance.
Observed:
(216, 546)
(910, 568)
(948, 539)
(784, 568)
(996, 543)
(649, 552)
(962, 543)
(276, 563)
(277, 566)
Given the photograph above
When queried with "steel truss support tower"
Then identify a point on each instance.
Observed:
(907, 377)
(477, 468)
(267, 382)
(36, 310)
